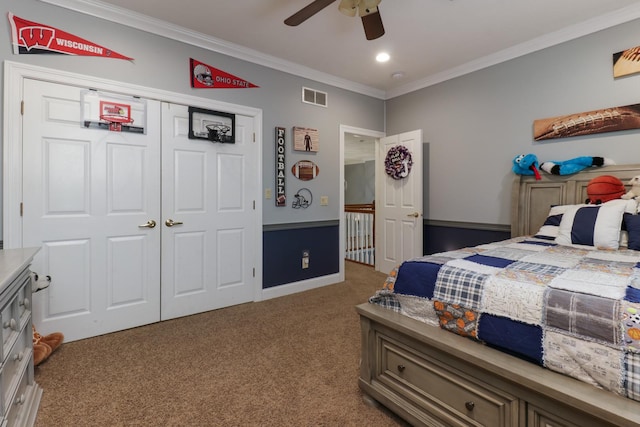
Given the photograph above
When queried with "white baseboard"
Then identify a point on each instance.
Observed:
(301, 286)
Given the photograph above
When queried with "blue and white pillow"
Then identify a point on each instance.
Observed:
(631, 225)
(549, 230)
(594, 225)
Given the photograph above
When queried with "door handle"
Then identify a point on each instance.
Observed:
(171, 223)
(415, 215)
(150, 224)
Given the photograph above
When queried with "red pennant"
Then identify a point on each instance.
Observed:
(205, 76)
(33, 38)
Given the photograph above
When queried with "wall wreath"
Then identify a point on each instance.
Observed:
(398, 162)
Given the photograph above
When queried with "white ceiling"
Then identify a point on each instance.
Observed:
(429, 40)
(358, 148)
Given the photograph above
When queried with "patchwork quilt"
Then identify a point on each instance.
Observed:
(573, 310)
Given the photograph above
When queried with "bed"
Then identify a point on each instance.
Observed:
(542, 329)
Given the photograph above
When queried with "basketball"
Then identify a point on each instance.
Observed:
(604, 188)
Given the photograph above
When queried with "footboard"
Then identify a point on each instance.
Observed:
(432, 377)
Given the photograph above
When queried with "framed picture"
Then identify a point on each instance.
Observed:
(214, 126)
(305, 139)
(626, 62)
(588, 123)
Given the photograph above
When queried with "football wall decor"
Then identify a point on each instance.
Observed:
(281, 198)
(305, 170)
(305, 139)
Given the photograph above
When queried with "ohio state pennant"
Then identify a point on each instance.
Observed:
(205, 76)
(33, 38)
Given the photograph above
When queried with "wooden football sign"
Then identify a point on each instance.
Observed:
(305, 170)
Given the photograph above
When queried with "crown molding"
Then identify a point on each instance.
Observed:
(162, 28)
(165, 29)
(582, 29)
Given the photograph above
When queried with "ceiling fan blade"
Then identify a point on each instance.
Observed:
(372, 24)
(307, 12)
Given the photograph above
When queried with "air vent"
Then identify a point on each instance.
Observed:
(315, 97)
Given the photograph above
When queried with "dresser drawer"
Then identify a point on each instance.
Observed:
(17, 357)
(10, 323)
(18, 400)
(456, 399)
(23, 302)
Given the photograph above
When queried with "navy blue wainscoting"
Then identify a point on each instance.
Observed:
(439, 238)
(283, 245)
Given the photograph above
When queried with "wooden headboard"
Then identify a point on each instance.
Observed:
(531, 199)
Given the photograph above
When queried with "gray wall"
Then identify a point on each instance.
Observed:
(162, 63)
(476, 124)
(360, 183)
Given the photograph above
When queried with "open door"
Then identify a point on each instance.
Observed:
(399, 200)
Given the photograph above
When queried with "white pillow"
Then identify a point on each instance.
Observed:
(594, 225)
(549, 230)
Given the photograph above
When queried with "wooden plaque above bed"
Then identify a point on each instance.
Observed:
(531, 199)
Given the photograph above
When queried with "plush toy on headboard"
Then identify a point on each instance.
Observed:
(526, 164)
(634, 193)
(567, 167)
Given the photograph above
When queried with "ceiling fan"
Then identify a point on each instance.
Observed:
(367, 9)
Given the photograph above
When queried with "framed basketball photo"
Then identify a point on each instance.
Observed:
(305, 139)
(214, 126)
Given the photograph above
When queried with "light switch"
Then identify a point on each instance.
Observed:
(267, 193)
(324, 200)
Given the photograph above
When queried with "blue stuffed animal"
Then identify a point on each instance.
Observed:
(567, 167)
(526, 164)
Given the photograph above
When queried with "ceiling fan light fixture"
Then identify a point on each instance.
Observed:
(365, 7)
(365, 10)
(369, 14)
(370, 3)
(348, 7)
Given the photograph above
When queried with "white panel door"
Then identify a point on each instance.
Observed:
(209, 217)
(399, 205)
(87, 194)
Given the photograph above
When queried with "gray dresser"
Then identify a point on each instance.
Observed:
(19, 393)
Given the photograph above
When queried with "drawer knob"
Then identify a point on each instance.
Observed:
(401, 368)
(18, 357)
(10, 324)
(25, 303)
(20, 400)
(470, 405)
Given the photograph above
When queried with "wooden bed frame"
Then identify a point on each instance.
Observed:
(431, 377)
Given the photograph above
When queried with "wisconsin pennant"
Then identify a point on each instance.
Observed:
(32, 38)
(205, 76)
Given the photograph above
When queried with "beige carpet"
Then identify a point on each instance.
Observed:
(290, 361)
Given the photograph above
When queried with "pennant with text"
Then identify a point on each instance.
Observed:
(33, 38)
(205, 76)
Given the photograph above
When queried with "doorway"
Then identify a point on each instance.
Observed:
(359, 194)
(399, 229)
(355, 152)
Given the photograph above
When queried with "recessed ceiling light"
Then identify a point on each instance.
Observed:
(397, 75)
(382, 57)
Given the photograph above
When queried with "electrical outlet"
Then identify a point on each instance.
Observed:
(267, 193)
(324, 200)
(305, 259)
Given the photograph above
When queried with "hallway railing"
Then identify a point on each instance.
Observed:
(360, 225)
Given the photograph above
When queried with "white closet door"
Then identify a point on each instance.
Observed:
(209, 190)
(86, 193)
